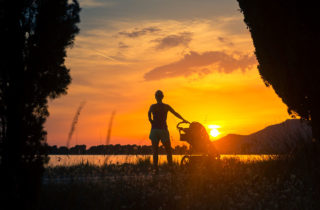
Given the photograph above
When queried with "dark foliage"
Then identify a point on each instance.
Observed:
(34, 35)
(286, 37)
(113, 150)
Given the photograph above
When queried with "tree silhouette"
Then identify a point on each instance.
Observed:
(286, 37)
(34, 35)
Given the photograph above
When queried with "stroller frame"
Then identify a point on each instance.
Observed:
(200, 147)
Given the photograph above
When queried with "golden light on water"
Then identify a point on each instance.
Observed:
(214, 130)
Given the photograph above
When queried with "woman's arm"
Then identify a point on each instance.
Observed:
(149, 115)
(177, 114)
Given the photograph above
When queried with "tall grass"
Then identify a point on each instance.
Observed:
(285, 182)
(108, 138)
(110, 127)
(74, 122)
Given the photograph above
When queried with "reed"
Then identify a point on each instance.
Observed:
(74, 122)
(109, 133)
(110, 127)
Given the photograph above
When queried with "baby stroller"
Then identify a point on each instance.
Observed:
(201, 148)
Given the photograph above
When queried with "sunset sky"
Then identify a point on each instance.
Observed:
(199, 53)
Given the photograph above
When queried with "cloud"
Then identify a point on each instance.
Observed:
(139, 32)
(225, 41)
(183, 39)
(94, 4)
(122, 45)
(202, 64)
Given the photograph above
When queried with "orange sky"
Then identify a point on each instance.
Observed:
(200, 55)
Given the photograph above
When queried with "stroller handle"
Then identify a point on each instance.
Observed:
(182, 122)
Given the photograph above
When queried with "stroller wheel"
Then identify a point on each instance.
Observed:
(185, 161)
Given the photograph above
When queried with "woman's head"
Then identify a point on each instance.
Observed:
(159, 95)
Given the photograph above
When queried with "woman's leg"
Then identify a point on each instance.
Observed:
(167, 146)
(165, 139)
(155, 145)
(155, 138)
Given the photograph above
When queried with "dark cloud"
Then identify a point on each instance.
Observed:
(122, 45)
(139, 32)
(225, 41)
(183, 39)
(81, 80)
(153, 11)
(196, 63)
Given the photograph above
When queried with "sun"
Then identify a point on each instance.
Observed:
(214, 130)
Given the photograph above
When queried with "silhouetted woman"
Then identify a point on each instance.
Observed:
(159, 130)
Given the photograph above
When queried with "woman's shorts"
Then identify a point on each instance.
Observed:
(159, 134)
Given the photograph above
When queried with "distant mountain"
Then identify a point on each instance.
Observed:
(279, 138)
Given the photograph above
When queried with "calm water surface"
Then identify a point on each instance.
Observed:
(65, 160)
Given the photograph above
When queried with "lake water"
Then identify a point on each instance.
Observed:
(69, 160)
